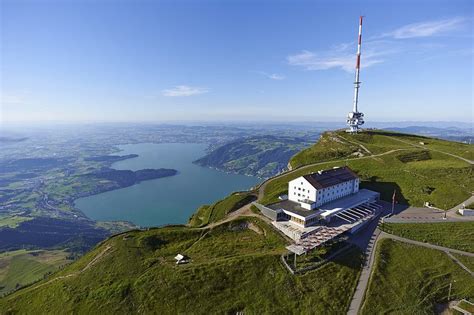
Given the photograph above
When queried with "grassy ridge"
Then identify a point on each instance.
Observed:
(22, 267)
(409, 279)
(212, 213)
(418, 175)
(443, 180)
(261, 156)
(234, 267)
(329, 147)
(457, 235)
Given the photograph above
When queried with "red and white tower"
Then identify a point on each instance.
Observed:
(355, 118)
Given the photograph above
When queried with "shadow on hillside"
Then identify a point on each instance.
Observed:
(386, 190)
(394, 134)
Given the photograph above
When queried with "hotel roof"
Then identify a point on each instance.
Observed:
(328, 178)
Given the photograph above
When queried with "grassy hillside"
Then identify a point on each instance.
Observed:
(335, 145)
(212, 213)
(330, 146)
(410, 279)
(234, 267)
(457, 235)
(418, 174)
(262, 156)
(22, 267)
(466, 260)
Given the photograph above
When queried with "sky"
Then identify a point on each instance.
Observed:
(204, 60)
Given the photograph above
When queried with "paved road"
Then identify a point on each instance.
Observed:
(361, 288)
(460, 263)
(428, 245)
(366, 240)
(452, 213)
(431, 215)
(359, 292)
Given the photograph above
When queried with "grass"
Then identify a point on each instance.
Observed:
(212, 213)
(470, 206)
(414, 156)
(417, 172)
(443, 181)
(13, 221)
(330, 147)
(462, 149)
(466, 260)
(456, 235)
(316, 256)
(20, 268)
(409, 279)
(234, 267)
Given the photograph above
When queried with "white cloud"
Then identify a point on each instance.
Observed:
(375, 50)
(333, 59)
(426, 29)
(273, 76)
(184, 90)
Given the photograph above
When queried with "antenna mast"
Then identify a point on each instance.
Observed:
(354, 118)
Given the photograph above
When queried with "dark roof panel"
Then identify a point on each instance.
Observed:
(330, 177)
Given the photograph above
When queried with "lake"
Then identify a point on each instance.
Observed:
(164, 200)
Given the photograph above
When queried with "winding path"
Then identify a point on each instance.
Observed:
(262, 186)
(436, 150)
(428, 245)
(358, 298)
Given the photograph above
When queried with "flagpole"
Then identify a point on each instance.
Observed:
(393, 201)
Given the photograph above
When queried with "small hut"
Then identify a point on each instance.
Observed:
(181, 259)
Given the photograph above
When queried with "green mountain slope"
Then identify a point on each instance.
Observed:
(234, 267)
(262, 156)
(420, 169)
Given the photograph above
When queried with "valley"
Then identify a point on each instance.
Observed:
(229, 242)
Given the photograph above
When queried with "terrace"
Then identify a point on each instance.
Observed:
(349, 220)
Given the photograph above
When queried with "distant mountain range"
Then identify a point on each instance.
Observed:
(449, 133)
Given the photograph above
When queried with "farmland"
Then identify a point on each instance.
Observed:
(22, 267)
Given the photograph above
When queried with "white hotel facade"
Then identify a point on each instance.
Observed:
(314, 190)
(324, 199)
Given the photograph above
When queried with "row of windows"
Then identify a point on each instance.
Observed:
(299, 188)
(300, 195)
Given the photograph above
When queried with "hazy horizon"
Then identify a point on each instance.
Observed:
(210, 61)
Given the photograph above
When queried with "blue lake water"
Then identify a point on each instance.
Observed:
(163, 200)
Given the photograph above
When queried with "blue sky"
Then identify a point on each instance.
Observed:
(234, 60)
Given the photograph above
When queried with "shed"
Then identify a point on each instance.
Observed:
(181, 259)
